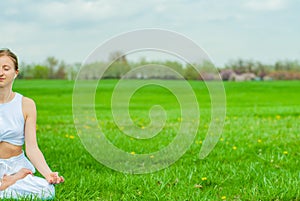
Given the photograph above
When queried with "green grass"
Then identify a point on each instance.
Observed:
(257, 157)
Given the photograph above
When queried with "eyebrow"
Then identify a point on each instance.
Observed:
(6, 65)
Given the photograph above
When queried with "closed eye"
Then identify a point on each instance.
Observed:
(6, 67)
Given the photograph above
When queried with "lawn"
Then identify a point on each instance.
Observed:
(256, 158)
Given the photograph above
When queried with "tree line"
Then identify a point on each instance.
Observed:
(118, 67)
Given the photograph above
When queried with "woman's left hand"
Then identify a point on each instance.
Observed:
(53, 178)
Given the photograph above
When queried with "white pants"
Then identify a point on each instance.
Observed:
(30, 186)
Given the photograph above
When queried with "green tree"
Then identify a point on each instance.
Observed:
(119, 66)
(190, 73)
(51, 63)
(60, 73)
(176, 66)
(40, 72)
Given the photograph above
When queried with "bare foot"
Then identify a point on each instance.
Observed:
(9, 180)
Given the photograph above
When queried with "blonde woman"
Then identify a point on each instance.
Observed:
(18, 127)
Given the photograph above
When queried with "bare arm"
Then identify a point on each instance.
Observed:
(32, 150)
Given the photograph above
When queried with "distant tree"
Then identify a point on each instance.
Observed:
(60, 73)
(206, 66)
(176, 66)
(287, 66)
(40, 72)
(119, 66)
(51, 63)
(23, 70)
(241, 66)
(72, 71)
(116, 70)
(262, 70)
(190, 73)
(118, 56)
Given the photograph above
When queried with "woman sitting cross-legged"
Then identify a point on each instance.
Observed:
(18, 127)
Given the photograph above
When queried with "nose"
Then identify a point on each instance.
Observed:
(1, 71)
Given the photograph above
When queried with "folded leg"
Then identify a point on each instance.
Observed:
(8, 180)
(30, 186)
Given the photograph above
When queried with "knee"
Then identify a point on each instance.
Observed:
(48, 192)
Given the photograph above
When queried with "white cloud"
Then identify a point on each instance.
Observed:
(70, 29)
(266, 5)
(73, 10)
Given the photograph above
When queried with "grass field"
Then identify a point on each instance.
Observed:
(257, 157)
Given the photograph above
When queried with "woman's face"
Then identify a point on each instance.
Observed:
(7, 71)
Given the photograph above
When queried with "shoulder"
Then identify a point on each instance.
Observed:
(29, 108)
(28, 102)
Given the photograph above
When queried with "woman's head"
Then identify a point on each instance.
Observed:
(13, 57)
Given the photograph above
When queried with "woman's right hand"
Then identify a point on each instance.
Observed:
(54, 178)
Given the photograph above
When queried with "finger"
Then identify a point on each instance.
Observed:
(55, 174)
(61, 179)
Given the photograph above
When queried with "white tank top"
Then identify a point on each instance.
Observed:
(12, 121)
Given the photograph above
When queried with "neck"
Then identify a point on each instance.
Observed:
(5, 95)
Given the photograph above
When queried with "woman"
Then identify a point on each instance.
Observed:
(18, 126)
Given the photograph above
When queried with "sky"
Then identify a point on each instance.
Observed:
(70, 30)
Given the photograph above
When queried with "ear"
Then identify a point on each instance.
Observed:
(17, 72)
